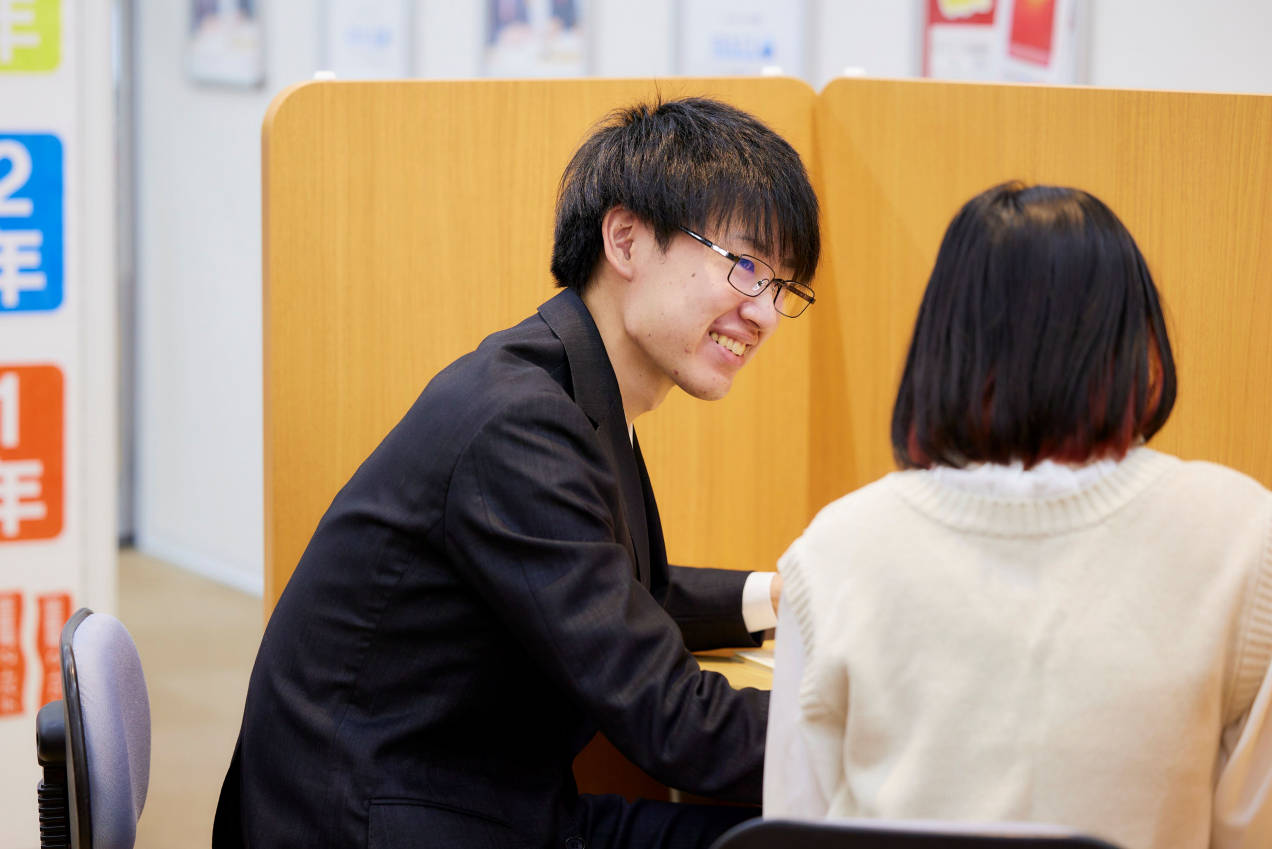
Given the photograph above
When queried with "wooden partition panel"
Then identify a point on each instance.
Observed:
(405, 221)
(1189, 174)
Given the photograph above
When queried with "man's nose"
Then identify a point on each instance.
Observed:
(760, 311)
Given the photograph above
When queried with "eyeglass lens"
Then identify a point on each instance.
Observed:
(750, 275)
(793, 299)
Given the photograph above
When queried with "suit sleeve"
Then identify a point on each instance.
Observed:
(530, 517)
(707, 605)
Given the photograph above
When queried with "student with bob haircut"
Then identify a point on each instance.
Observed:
(1039, 618)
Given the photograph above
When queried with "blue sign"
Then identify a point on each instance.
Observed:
(31, 222)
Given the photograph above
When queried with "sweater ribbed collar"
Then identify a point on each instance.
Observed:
(1022, 516)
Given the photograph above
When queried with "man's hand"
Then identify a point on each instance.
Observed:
(775, 591)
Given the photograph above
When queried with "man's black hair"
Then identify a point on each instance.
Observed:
(694, 163)
(1040, 336)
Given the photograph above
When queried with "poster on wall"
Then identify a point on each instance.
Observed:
(535, 38)
(226, 45)
(742, 37)
(58, 534)
(367, 39)
(960, 40)
(1041, 41)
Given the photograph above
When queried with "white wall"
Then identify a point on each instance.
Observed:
(199, 454)
(199, 491)
(1176, 44)
(879, 39)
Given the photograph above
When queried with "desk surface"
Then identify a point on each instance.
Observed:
(739, 671)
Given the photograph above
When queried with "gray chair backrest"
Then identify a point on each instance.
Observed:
(882, 834)
(107, 731)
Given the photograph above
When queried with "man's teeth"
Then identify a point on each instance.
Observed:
(732, 344)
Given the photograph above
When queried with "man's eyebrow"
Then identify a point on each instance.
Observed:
(754, 249)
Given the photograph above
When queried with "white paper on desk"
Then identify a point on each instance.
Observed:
(763, 657)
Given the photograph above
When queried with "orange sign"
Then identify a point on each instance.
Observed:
(12, 666)
(54, 609)
(31, 474)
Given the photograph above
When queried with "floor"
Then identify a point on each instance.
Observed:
(197, 640)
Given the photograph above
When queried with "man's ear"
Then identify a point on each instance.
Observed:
(619, 230)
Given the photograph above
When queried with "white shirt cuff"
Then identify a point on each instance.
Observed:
(757, 603)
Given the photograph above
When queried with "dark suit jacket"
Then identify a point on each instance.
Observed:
(487, 591)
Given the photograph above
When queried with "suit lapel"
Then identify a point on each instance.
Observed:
(657, 547)
(632, 496)
(596, 392)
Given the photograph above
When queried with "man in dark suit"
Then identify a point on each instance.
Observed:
(491, 587)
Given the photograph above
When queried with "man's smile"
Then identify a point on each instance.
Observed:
(729, 343)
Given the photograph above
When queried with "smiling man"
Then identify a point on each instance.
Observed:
(491, 587)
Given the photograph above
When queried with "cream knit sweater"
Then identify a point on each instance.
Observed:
(1088, 660)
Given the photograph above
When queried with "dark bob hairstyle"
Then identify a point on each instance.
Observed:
(693, 163)
(1040, 337)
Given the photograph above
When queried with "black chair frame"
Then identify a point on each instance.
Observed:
(63, 794)
(790, 834)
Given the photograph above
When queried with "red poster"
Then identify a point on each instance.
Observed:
(12, 666)
(1033, 25)
(958, 39)
(55, 609)
(31, 426)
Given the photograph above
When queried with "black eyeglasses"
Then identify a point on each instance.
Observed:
(751, 276)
